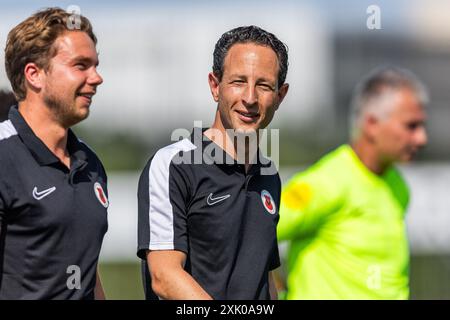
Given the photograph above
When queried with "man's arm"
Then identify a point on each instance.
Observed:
(99, 294)
(272, 287)
(169, 279)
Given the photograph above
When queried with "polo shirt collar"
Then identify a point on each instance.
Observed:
(37, 148)
(199, 139)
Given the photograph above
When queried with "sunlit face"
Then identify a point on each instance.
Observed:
(402, 133)
(248, 94)
(72, 78)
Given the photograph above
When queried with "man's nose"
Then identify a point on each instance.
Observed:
(95, 78)
(421, 136)
(250, 96)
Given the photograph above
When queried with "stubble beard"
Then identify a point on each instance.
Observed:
(63, 111)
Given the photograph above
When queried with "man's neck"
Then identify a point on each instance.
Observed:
(44, 125)
(369, 157)
(218, 134)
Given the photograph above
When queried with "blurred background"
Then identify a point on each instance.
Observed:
(155, 57)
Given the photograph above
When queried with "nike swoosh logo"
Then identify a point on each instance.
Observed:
(211, 201)
(38, 195)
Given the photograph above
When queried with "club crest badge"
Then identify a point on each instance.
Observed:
(101, 196)
(268, 202)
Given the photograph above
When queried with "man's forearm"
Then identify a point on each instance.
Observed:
(178, 285)
(272, 288)
(99, 294)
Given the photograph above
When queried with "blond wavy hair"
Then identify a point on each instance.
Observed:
(33, 40)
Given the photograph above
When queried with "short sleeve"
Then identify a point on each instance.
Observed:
(306, 201)
(275, 259)
(162, 198)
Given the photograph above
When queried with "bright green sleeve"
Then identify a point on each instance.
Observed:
(307, 200)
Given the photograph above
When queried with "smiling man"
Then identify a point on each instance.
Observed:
(344, 216)
(53, 202)
(207, 229)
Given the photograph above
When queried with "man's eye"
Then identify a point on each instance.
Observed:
(238, 81)
(265, 86)
(81, 66)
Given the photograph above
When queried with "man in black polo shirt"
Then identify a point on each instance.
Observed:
(207, 220)
(53, 197)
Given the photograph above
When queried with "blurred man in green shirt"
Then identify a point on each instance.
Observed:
(344, 216)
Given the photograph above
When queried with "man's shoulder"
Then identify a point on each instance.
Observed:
(176, 155)
(7, 139)
(158, 167)
(327, 176)
(7, 130)
(339, 155)
(172, 154)
(331, 164)
(395, 174)
(398, 185)
(8, 144)
(94, 161)
(92, 156)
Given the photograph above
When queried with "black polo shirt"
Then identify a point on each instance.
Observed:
(223, 218)
(52, 219)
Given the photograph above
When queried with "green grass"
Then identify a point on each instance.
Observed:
(122, 280)
(430, 278)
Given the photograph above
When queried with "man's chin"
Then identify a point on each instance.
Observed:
(244, 128)
(81, 116)
(72, 120)
(407, 158)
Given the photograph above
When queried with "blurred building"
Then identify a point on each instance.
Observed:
(357, 53)
(155, 60)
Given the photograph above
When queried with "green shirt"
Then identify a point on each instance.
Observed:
(346, 230)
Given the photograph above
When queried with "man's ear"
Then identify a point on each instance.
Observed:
(370, 126)
(33, 76)
(282, 91)
(214, 86)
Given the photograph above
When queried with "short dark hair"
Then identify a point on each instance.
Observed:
(250, 34)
